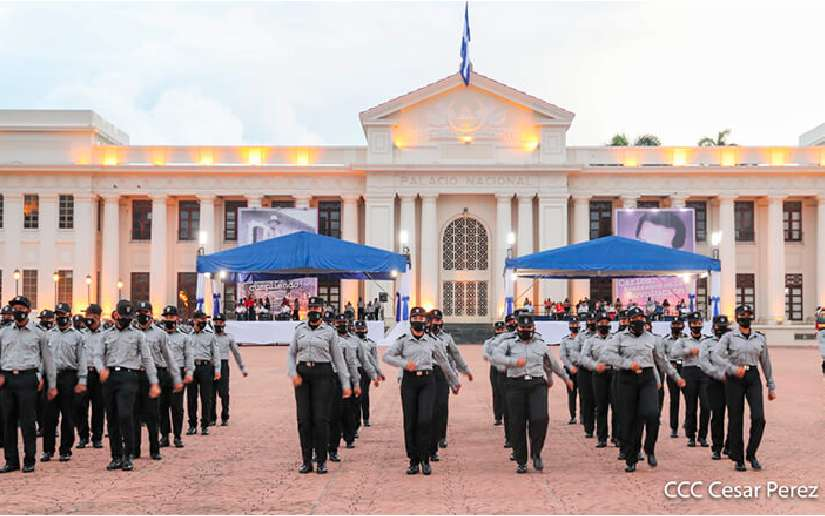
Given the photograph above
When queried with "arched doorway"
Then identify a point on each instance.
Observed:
(465, 270)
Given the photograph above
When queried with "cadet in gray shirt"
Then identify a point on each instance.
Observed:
(370, 351)
(741, 352)
(343, 419)
(601, 384)
(24, 350)
(687, 350)
(226, 343)
(93, 397)
(715, 373)
(442, 397)
(487, 350)
(180, 347)
(207, 370)
(569, 349)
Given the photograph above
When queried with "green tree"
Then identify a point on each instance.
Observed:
(721, 139)
(619, 140)
(648, 140)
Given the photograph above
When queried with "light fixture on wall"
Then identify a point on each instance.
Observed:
(88, 289)
(715, 240)
(16, 282)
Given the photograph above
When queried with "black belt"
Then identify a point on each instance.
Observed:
(203, 362)
(20, 371)
(67, 370)
(92, 369)
(125, 369)
(159, 368)
(418, 373)
(526, 377)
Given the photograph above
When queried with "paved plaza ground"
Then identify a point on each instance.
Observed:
(250, 466)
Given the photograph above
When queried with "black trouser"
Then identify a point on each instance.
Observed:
(349, 417)
(171, 401)
(119, 393)
(695, 395)
(362, 412)
(312, 406)
(675, 394)
(638, 397)
(573, 394)
(146, 409)
(418, 404)
(441, 409)
(603, 394)
(616, 405)
(94, 397)
(716, 400)
(40, 408)
(201, 381)
(64, 404)
(588, 401)
(18, 399)
(501, 379)
(737, 390)
(528, 402)
(221, 388)
(498, 408)
(336, 413)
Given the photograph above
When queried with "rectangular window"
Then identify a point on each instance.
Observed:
(700, 219)
(189, 216)
(230, 298)
(230, 219)
(793, 297)
(281, 203)
(792, 220)
(746, 289)
(329, 218)
(601, 219)
(600, 289)
(30, 286)
(330, 291)
(31, 211)
(66, 212)
(743, 220)
(64, 287)
(139, 286)
(2, 210)
(648, 204)
(187, 283)
(702, 296)
(141, 219)
(100, 206)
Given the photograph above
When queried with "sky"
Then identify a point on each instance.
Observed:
(300, 72)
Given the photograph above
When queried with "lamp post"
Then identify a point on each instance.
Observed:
(55, 279)
(119, 290)
(715, 240)
(16, 282)
(88, 289)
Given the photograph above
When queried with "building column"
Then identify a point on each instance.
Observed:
(775, 313)
(504, 226)
(552, 233)
(727, 256)
(207, 223)
(428, 295)
(677, 201)
(629, 201)
(379, 231)
(47, 233)
(407, 223)
(110, 254)
(820, 251)
(254, 201)
(580, 289)
(12, 230)
(302, 201)
(524, 245)
(158, 262)
(349, 231)
(84, 252)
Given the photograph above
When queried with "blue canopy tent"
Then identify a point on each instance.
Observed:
(609, 257)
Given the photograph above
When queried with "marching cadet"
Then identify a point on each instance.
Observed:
(715, 385)
(342, 418)
(370, 350)
(6, 316)
(590, 355)
(635, 354)
(313, 350)
(569, 349)
(458, 364)
(529, 366)
(146, 408)
(417, 353)
(93, 396)
(180, 347)
(123, 354)
(24, 351)
(741, 352)
(367, 371)
(820, 335)
(585, 380)
(226, 343)
(77, 323)
(46, 324)
(69, 355)
(46, 320)
(207, 370)
(687, 349)
(498, 411)
(510, 326)
(676, 332)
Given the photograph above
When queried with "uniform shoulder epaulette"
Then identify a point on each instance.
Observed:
(537, 333)
(402, 336)
(759, 333)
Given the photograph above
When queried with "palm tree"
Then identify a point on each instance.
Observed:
(721, 139)
(648, 140)
(619, 140)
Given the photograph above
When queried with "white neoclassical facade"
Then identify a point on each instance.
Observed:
(459, 175)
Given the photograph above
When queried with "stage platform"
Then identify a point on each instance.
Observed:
(268, 333)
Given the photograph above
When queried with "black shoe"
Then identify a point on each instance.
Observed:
(8, 469)
(82, 444)
(155, 456)
(305, 468)
(630, 468)
(46, 456)
(507, 444)
(740, 466)
(588, 435)
(614, 441)
(434, 457)
(136, 455)
(622, 456)
(413, 469)
(703, 442)
(601, 444)
(498, 423)
(115, 464)
(205, 430)
(224, 422)
(321, 468)
(367, 422)
(351, 444)
(521, 469)
(356, 435)
(178, 442)
(191, 431)
(127, 464)
(691, 443)
(674, 434)
(572, 421)
(512, 455)
(755, 465)
(716, 455)
(426, 468)
(65, 457)
(164, 443)
(538, 464)
(442, 443)
(651, 460)
(97, 444)
(213, 422)
(334, 457)
(641, 456)
(28, 469)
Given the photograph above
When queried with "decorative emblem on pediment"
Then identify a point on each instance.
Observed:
(467, 115)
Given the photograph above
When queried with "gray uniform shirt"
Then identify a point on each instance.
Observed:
(681, 350)
(93, 342)
(539, 363)
(453, 354)
(362, 353)
(26, 348)
(487, 352)
(226, 343)
(350, 348)
(181, 349)
(422, 352)
(205, 347)
(316, 345)
(715, 370)
(158, 344)
(127, 348)
(69, 352)
(670, 342)
(570, 348)
(592, 350)
(735, 351)
(625, 348)
(371, 350)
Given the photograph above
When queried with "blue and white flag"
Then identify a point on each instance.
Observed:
(466, 66)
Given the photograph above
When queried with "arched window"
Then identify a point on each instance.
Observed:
(465, 246)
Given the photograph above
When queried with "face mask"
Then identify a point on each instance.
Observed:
(89, 322)
(720, 330)
(525, 334)
(123, 323)
(342, 328)
(219, 328)
(417, 326)
(200, 325)
(314, 317)
(169, 324)
(622, 327)
(695, 330)
(603, 328)
(5, 322)
(638, 327)
(744, 322)
(591, 326)
(62, 321)
(511, 327)
(20, 315)
(436, 328)
(143, 319)
(361, 334)
(574, 329)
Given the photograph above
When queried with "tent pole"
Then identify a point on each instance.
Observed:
(508, 293)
